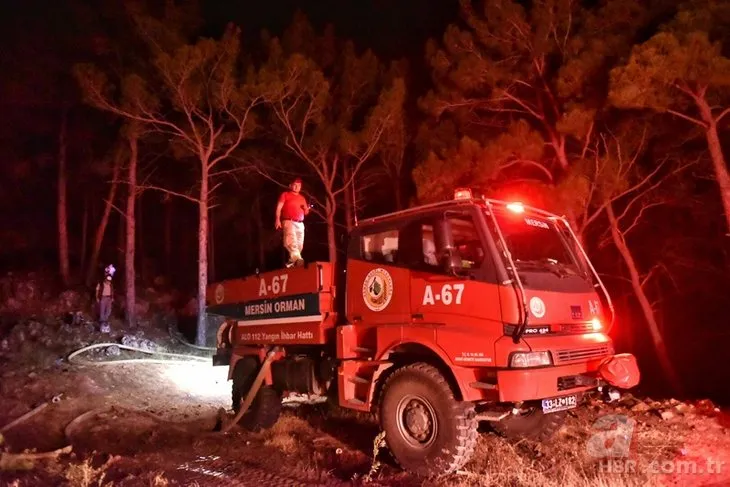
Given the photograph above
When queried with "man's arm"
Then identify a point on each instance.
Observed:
(279, 206)
(306, 206)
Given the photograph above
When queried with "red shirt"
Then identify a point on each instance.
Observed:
(294, 205)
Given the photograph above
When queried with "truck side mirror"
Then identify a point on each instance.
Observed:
(446, 250)
(452, 262)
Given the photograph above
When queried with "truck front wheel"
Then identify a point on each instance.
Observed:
(428, 431)
(530, 423)
(266, 407)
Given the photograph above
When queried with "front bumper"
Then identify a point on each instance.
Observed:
(620, 371)
(515, 385)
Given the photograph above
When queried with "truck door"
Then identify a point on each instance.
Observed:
(465, 307)
(378, 290)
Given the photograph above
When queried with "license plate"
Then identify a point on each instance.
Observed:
(555, 404)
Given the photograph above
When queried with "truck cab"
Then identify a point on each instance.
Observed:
(453, 313)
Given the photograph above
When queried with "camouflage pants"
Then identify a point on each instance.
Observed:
(293, 239)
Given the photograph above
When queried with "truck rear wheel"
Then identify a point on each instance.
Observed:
(266, 407)
(428, 431)
(531, 424)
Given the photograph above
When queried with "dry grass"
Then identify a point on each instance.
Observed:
(159, 481)
(564, 461)
(86, 475)
(288, 433)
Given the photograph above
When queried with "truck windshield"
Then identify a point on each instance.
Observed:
(539, 245)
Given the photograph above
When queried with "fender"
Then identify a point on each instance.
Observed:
(426, 347)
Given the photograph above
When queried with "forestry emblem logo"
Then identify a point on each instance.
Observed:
(377, 289)
(537, 306)
(219, 294)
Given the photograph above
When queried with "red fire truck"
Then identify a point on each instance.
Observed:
(441, 316)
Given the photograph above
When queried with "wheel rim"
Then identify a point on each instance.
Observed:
(417, 422)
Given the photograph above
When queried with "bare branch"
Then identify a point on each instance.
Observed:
(121, 212)
(333, 171)
(225, 172)
(722, 115)
(640, 184)
(638, 216)
(685, 89)
(529, 163)
(688, 118)
(588, 140)
(293, 142)
(523, 104)
(362, 158)
(173, 193)
(653, 186)
(239, 136)
(146, 117)
(215, 186)
(612, 276)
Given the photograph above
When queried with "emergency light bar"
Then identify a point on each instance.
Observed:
(462, 194)
(516, 207)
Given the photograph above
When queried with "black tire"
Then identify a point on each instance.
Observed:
(532, 425)
(427, 430)
(266, 407)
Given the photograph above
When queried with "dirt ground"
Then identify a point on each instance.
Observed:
(153, 425)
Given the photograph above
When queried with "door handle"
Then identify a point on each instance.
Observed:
(417, 316)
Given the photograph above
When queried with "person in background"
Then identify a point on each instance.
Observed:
(290, 212)
(105, 298)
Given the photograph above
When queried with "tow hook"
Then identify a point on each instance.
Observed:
(609, 394)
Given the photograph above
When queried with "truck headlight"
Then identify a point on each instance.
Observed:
(530, 359)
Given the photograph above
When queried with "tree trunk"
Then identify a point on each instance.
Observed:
(398, 191)
(84, 236)
(101, 229)
(211, 248)
(260, 234)
(168, 236)
(558, 143)
(121, 229)
(129, 271)
(331, 240)
(62, 203)
(248, 244)
(202, 329)
(645, 305)
(718, 159)
(349, 199)
(139, 248)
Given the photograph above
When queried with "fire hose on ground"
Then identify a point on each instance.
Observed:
(252, 472)
(175, 358)
(188, 358)
(180, 358)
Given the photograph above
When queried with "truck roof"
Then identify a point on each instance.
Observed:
(482, 202)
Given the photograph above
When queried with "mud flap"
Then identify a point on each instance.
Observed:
(620, 371)
(222, 357)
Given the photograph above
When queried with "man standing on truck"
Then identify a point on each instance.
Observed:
(290, 212)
